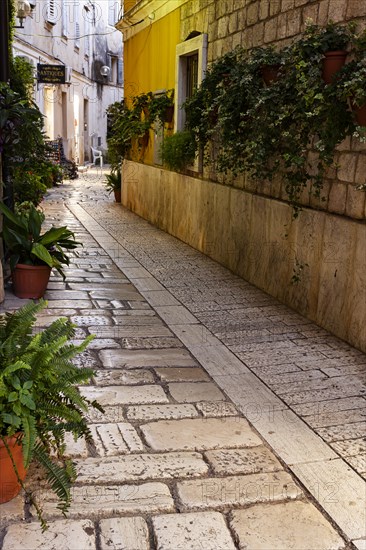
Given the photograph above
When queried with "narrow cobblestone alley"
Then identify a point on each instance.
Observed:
(231, 421)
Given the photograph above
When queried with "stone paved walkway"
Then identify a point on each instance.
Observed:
(231, 421)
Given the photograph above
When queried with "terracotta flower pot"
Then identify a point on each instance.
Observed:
(270, 73)
(9, 484)
(30, 281)
(332, 63)
(169, 113)
(117, 195)
(360, 113)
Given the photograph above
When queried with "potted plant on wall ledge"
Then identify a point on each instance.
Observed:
(32, 255)
(39, 402)
(351, 85)
(331, 41)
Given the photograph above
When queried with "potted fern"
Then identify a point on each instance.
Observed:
(113, 184)
(39, 402)
(32, 255)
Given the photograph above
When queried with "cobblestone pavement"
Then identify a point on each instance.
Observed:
(231, 421)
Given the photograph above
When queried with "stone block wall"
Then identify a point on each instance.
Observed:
(253, 23)
(246, 225)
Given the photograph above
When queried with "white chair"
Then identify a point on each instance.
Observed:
(97, 155)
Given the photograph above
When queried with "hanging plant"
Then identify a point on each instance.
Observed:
(268, 130)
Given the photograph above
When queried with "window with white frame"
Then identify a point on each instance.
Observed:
(191, 64)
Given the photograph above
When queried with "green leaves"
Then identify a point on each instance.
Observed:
(268, 129)
(39, 395)
(25, 244)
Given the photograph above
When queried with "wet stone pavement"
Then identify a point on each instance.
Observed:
(231, 421)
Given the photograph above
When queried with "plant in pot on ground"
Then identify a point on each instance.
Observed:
(113, 184)
(32, 254)
(39, 402)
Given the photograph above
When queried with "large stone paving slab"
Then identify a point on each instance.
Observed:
(237, 490)
(243, 461)
(61, 535)
(187, 374)
(291, 526)
(100, 501)
(124, 534)
(199, 434)
(124, 292)
(115, 439)
(127, 378)
(340, 492)
(132, 359)
(146, 413)
(125, 331)
(195, 531)
(191, 392)
(118, 395)
(140, 468)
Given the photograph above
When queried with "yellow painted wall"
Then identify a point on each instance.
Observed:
(149, 61)
(149, 56)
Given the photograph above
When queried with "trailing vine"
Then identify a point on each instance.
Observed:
(268, 130)
(130, 124)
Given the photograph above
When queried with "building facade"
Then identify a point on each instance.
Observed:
(241, 223)
(80, 36)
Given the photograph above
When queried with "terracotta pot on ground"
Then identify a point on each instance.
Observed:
(332, 63)
(9, 484)
(30, 281)
(117, 195)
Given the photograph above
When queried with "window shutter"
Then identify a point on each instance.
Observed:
(77, 35)
(87, 37)
(119, 71)
(64, 30)
(52, 12)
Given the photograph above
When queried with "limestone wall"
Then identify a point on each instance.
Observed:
(248, 226)
(254, 23)
(256, 238)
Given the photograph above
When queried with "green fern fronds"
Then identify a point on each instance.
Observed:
(39, 394)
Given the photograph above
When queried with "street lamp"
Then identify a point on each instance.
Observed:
(23, 10)
(105, 70)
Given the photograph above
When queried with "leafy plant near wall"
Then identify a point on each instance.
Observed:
(267, 130)
(22, 140)
(178, 150)
(129, 126)
(39, 399)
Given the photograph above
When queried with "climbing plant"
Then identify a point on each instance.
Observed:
(286, 125)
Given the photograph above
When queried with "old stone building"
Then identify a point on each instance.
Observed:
(80, 36)
(247, 225)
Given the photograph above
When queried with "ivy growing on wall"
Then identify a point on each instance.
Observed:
(262, 111)
(129, 124)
